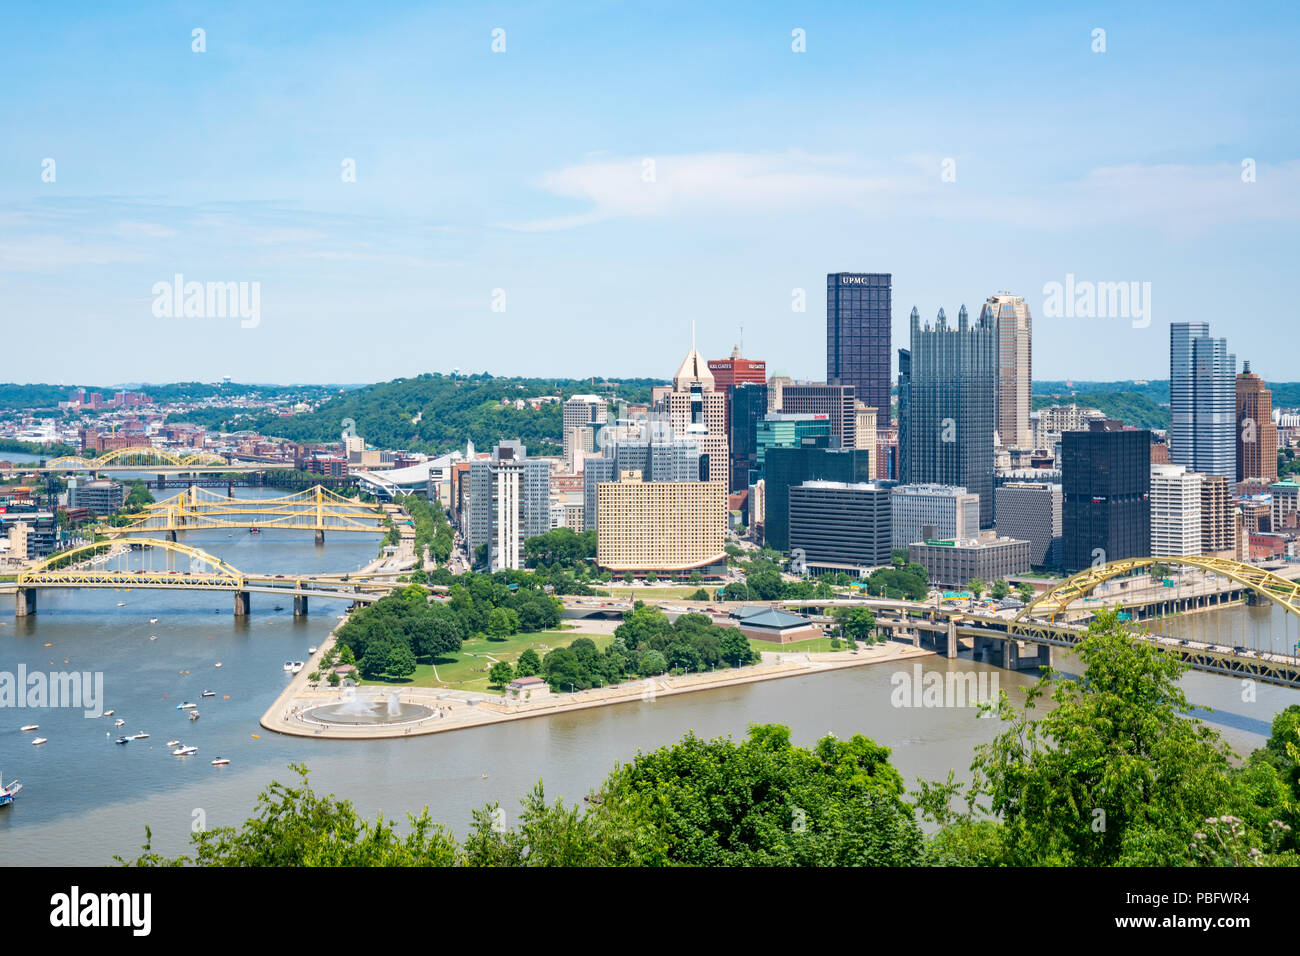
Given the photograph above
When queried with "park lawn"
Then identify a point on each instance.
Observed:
(672, 592)
(813, 645)
(468, 668)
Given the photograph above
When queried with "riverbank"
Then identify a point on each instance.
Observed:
(459, 710)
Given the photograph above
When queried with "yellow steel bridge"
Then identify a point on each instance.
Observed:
(198, 509)
(143, 456)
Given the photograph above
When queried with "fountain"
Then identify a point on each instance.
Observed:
(354, 709)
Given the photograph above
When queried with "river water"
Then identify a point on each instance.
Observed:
(86, 799)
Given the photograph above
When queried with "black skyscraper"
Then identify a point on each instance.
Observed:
(1106, 514)
(858, 312)
(787, 467)
(748, 405)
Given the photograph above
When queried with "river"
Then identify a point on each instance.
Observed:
(86, 799)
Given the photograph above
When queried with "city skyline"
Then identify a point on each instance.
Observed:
(696, 167)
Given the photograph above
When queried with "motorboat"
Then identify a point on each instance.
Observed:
(153, 637)
(220, 762)
(8, 793)
(194, 715)
(288, 665)
(153, 620)
(297, 666)
(184, 751)
(108, 713)
(208, 693)
(119, 722)
(137, 736)
(254, 530)
(38, 741)
(173, 743)
(122, 740)
(121, 604)
(218, 663)
(31, 727)
(311, 650)
(186, 706)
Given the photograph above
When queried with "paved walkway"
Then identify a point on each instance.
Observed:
(458, 710)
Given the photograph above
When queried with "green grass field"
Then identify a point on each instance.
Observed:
(468, 669)
(672, 592)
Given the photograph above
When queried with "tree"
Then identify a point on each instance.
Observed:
(502, 622)
(766, 585)
(529, 663)
(627, 577)
(857, 623)
(697, 578)
(375, 661)
(976, 587)
(736, 591)
(651, 577)
(1025, 591)
(999, 590)
(652, 662)
(501, 674)
(699, 594)
(1115, 773)
(736, 650)
(401, 662)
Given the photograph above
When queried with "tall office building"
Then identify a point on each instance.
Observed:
(1256, 433)
(858, 317)
(509, 502)
(695, 409)
(836, 402)
(1031, 511)
(840, 526)
(784, 468)
(1106, 480)
(1175, 511)
(920, 512)
(778, 430)
(661, 526)
(583, 414)
(746, 407)
(1010, 316)
(731, 371)
(1202, 400)
(947, 390)
(1218, 518)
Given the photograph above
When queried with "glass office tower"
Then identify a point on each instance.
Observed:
(858, 315)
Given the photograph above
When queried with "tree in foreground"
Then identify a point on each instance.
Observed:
(1115, 774)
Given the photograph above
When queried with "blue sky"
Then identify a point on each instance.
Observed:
(525, 171)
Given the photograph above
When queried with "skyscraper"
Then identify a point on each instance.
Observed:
(1202, 400)
(786, 467)
(509, 502)
(1106, 480)
(581, 413)
(1256, 433)
(1010, 316)
(947, 387)
(837, 402)
(858, 316)
(695, 409)
(748, 404)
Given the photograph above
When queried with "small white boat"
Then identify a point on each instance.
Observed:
(218, 663)
(153, 637)
(184, 751)
(38, 741)
(297, 666)
(186, 706)
(208, 693)
(173, 743)
(194, 715)
(153, 620)
(119, 722)
(108, 713)
(121, 604)
(288, 665)
(311, 650)
(31, 727)
(137, 736)
(220, 762)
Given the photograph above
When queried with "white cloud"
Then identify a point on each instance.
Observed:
(1171, 197)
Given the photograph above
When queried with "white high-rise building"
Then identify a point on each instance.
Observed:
(1175, 511)
(582, 415)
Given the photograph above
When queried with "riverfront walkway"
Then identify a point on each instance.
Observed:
(459, 710)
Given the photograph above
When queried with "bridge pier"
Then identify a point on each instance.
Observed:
(162, 481)
(24, 602)
(242, 603)
(320, 535)
(952, 638)
(171, 535)
(300, 605)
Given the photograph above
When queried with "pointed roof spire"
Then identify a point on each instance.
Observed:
(693, 369)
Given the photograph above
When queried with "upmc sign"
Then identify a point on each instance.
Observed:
(854, 280)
